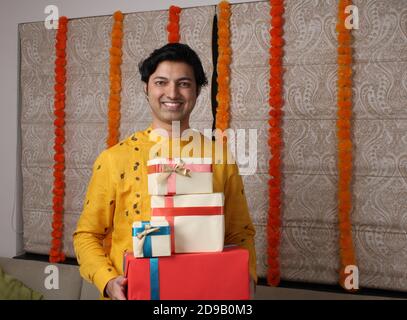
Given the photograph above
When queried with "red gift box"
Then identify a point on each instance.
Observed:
(191, 276)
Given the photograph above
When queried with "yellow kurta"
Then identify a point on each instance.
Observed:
(117, 196)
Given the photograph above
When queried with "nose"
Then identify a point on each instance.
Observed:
(172, 90)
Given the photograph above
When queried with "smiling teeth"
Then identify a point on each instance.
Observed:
(171, 104)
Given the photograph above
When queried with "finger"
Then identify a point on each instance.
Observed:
(121, 296)
(124, 282)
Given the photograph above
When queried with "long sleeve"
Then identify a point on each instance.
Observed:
(239, 228)
(95, 224)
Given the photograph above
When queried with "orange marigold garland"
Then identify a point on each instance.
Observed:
(173, 24)
(56, 254)
(343, 124)
(223, 67)
(115, 80)
(275, 139)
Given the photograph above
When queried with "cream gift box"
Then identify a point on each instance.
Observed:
(196, 220)
(179, 176)
(151, 238)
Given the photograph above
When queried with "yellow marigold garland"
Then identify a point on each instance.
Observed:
(223, 66)
(56, 254)
(115, 80)
(344, 101)
(275, 139)
(173, 24)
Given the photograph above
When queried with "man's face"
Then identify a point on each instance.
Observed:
(172, 93)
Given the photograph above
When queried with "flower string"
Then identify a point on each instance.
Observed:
(173, 24)
(343, 124)
(115, 80)
(56, 254)
(223, 67)
(275, 139)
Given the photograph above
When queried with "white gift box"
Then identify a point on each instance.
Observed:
(179, 176)
(197, 221)
(151, 238)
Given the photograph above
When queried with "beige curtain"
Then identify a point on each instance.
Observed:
(86, 105)
(309, 244)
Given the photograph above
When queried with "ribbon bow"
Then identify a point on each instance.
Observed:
(142, 237)
(179, 168)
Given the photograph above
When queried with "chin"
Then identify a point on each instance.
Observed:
(174, 116)
(169, 120)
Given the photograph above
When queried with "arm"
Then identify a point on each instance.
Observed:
(239, 228)
(94, 226)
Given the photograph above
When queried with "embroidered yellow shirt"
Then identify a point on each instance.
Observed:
(117, 196)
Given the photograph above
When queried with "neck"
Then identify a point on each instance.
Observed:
(174, 130)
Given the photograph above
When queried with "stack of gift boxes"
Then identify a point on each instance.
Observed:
(180, 253)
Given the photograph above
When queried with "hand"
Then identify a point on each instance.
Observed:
(116, 288)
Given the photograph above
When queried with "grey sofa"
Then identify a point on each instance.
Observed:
(33, 274)
(73, 287)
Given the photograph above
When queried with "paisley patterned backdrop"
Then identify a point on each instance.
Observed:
(86, 105)
(309, 247)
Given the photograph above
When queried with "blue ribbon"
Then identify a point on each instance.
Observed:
(154, 280)
(147, 248)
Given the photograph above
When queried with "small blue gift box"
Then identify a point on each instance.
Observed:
(151, 238)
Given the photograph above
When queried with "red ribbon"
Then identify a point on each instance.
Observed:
(187, 211)
(158, 168)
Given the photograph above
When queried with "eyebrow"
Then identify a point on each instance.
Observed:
(179, 79)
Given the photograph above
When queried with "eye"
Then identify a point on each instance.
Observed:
(159, 83)
(184, 84)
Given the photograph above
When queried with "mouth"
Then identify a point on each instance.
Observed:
(172, 106)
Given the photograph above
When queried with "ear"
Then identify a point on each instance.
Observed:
(198, 91)
(145, 89)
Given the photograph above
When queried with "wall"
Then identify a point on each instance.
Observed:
(11, 14)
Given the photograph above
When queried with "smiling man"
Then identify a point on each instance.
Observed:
(118, 193)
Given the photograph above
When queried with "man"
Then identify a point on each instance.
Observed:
(117, 193)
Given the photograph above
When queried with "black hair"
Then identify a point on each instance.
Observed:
(178, 52)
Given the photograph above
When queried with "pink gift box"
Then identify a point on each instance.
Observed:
(179, 176)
